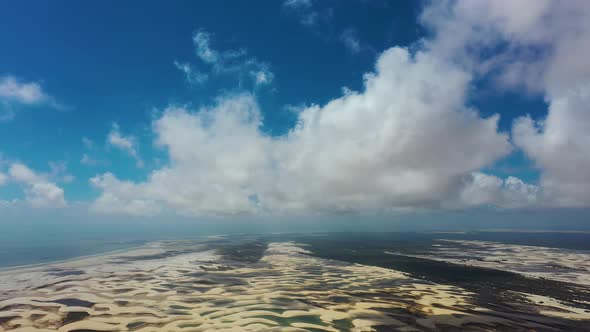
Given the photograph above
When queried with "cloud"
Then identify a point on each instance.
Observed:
(305, 10)
(542, 47)
(381, 149)
(45, 194)
(202, 41)
(121, 197)
(192, 76)
(298, 3)
(21, 173)
(25, 93)
(406, 142)
(59, 172)
(320, 20)
(351, 41)
(88, 143)
(213, 154)
(88, 160)
(39, 191)
(3, 179)
(559, 146)
(232, 63)
(128, 144)
(15, 93)
(487, 190)
(262, 76)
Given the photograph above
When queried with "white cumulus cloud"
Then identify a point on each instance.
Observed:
(543, 46)
(407, 140)
(559, 146)
(39, 191)
(15, 93)
(22, 92)
(483, 189)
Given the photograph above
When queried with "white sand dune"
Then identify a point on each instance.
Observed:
(164, 287)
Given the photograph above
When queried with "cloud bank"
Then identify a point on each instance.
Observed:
(543, 47)
(406, 140)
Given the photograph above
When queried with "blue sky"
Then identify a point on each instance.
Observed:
(112, 62)
(108, 86)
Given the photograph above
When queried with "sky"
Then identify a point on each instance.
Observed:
(295, 110)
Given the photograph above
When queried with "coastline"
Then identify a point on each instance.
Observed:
(16, 268)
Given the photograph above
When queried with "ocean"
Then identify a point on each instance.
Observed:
(42, 243)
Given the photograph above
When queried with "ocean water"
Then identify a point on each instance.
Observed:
(26, 243)
(44, 252)
(48, 239)
(38, 243)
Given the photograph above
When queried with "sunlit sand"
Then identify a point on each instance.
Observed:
(180, 286)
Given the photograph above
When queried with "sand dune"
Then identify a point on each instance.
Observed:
(190, 287)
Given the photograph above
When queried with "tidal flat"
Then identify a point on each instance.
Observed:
(290, 282)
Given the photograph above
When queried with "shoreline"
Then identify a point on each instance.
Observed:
(147, 242)
(72, 259)
(144, 244)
